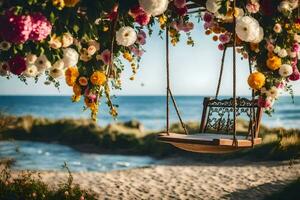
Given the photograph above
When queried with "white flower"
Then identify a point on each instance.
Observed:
(297, 38)
(277, 49)
(284, 6)
(31, 71)
(277, 28)
(154, 7)
(31, 59)
(293, 4)
(70, 57)
(5, 46)
(282, 53)
(42, 63)
(213, 5)
(126, 36)
(4, 69)
(291, 53)
(67, 40)
(59, 64)
(285, 70)
(248, 30)
(56, 72)
(273, 92)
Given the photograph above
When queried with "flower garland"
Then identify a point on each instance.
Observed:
(86, 42)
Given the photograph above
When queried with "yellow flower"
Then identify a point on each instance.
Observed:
(77, 90)
(60, 4)
(173, 33)
(83, 81)
(71, 75)
(98, 78)
(256, 80)
(71, 3)
(127, 56)
(76, 98)
(162, 20)
(55, 42)
(274, 63)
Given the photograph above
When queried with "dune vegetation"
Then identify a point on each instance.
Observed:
(131, 138)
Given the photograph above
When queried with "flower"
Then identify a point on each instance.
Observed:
(277, 28)
(256, 80)
(141, 37)
(31, 59)
(55, 42)
(59, 64)
(77, 90)
(285, 70)
(98, 78)
(295, 76)
(84, 56)
(213, 5)
(179, 3)
(181, 11)
(248, 29)
(91, 50)
(106, 57)
(41, 27)
(56, 72)
(221, 47)
(273, 92)
(71, 75)
(5, 46)
(71, 3)
(83, 81)
(42, 63)
(4, 69)
(17, 65)
(277, 49)
(284, 7)
(126, 36)
(70, 57)
(95, 44)
(137, 52)
(273, 63)
(253, 7)
(67, 40)
(15, 28)
(208, 17)
(265, 103)
(60, 4)
(31, 71)
(282, 53)
(224, 38)
(143, 19)
(154, 7)
(127, 56)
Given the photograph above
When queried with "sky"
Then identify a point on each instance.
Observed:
(193, 70)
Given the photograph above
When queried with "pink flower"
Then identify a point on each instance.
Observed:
(15, 28)
(253, 7)
(17, 65)
(224, 38)
(90, 95)
(295, 76)
(280, 85)
(137, 52)
(208, 25)
(41, 27)
(182, 11)
(208, 17)
(136, 11)
(296, 47)
(187, 27)
(270, 47)
(264, 103)
(141, 38)
(143, 19)
(221, 47)
(179, 3)
(106, 57)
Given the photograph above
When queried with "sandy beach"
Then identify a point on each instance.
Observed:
(234, 179)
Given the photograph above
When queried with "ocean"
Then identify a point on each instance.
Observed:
(150, 110)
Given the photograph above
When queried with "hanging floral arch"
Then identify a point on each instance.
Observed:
(84, 41)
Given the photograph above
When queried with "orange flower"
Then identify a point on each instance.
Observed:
(274, 63)
(83, 81)
(71, 3)
(215, 38)
(98, 78)
(71, 75)
(90, 104)
(77, 90)
(256, 80)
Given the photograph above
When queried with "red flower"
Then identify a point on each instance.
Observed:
(17, 65)
(143, 19)
(182, 11)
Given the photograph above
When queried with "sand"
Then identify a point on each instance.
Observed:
(235, 179)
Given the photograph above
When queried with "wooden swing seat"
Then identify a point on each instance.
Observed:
(208, 142)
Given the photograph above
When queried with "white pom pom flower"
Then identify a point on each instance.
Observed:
(126, 36)
(248, 30)
(31, 71)
(285, 70)
(154, 7)
(42, 63)
(56, 72)
(70, 58)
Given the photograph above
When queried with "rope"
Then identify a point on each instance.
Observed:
(221, 73)
(168, 79)
(234, 74)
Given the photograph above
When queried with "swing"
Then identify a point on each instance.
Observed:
(218, 127)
